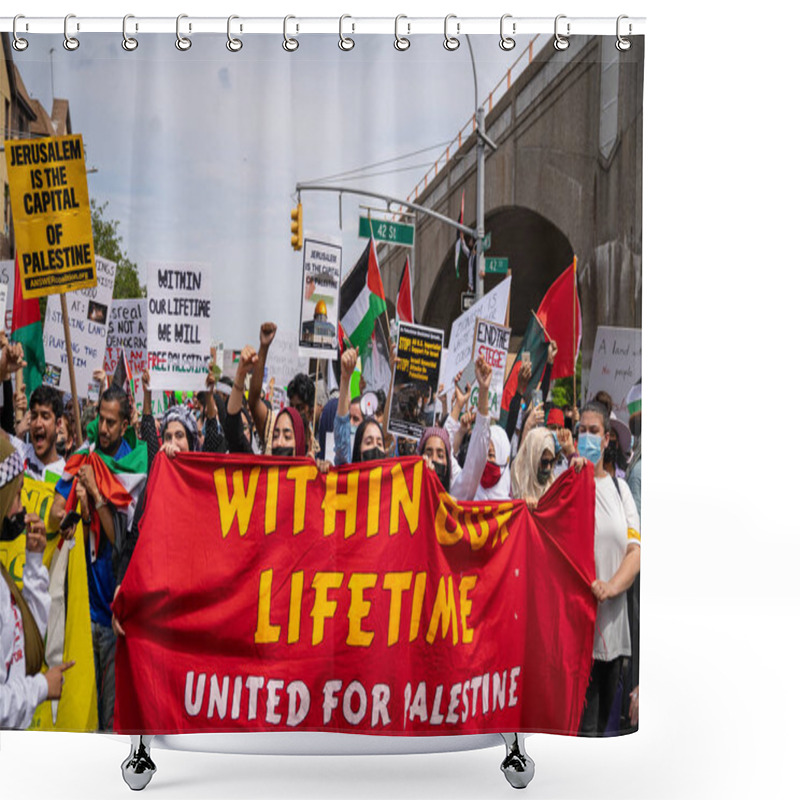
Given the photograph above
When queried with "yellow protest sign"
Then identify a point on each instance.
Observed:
(77, 709)
(52, 216)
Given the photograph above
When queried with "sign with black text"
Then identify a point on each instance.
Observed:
(52, 216)
(88, 312)
(319, 305)
(178, 325)
(416, 380)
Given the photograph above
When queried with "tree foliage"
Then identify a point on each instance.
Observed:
(108, 243)
(562, 388)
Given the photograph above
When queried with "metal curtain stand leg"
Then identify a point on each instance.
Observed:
(517, 766)
(138, 768)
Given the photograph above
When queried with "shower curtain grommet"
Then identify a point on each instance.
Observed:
(129, 43)
(623, 43)
(233, 44)
(18, 43)
(183, 43)
(345, 42)
(451, 43)
(70, 42)
(507, 42)
(560, 41)
(289, 44)
(401, 43)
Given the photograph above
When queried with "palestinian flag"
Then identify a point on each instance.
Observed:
(119, 481)
(534, 342)
(26, 328)
(633, 400)
(362, 299)
(560, 314)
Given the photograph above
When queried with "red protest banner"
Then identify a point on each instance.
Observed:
(265, 596)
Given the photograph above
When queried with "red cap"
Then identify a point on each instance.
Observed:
(556, 417)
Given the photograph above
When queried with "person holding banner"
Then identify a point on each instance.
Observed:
(289, 434)
(435, 444)
(532, 470)
(23, 614)
(617, 547)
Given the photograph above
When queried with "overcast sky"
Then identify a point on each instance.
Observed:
(198, 153)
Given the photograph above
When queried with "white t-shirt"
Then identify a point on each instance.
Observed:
(616, 525)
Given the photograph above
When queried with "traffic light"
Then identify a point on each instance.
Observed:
(297, 227)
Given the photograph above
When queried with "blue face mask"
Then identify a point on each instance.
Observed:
(590, 446)
(558, 444)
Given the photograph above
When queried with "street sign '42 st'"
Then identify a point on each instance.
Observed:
(384, 231)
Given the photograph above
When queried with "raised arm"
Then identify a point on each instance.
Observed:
(258, 408)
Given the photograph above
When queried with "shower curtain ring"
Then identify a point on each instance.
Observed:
(289, 44)
(345, 42)
(70, 42)
(623, 43)
(401, 42)
(19, 44)
(507, 42)
(561, 42)
(182, 42)
(233, 44)
(129, 43)
(451, 42)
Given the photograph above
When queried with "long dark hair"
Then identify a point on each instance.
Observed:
(360, 435)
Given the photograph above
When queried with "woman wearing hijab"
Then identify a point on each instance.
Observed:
(496, 479)
(23, 614)
(532, 470)
(289, 434)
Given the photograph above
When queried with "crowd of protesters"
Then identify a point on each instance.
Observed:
(473, 457)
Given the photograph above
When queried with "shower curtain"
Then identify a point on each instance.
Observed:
(184, 196)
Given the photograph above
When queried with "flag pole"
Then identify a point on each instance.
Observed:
(70, 363)
(574, 326)
(20, 379)
(314, 411)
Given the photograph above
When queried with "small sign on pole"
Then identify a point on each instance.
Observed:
(467, 299)
(381, 230)
(496, 266)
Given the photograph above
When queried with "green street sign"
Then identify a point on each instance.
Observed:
(496, 266)
(382, 231)
(487, 241)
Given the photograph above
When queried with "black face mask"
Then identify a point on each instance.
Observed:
(610, 454)
(13, 527)
(441, 473)
(283, 451)
(61, 447)
(373, 454)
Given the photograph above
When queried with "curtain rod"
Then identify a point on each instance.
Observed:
(404, 25)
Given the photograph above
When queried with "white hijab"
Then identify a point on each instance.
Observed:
(502, 453)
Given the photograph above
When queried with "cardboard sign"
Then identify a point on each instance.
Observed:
(491, 342)
(178, 325)
(616, 364)
(491, 307)
(52, 216)
(319, 304)
(416, 380)
(127, 332)
(88, 312)
(7, 273)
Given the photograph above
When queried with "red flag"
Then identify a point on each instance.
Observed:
(405, 301)
(560, 315)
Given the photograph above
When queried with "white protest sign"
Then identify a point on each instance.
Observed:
(88, 312)
(178, 325)
(319, 303)
(127, 331)
(616, 364)
(491, 343)
(284, 360)
(491, 307)
(7, 274)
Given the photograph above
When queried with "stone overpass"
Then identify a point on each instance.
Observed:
(565, 179)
